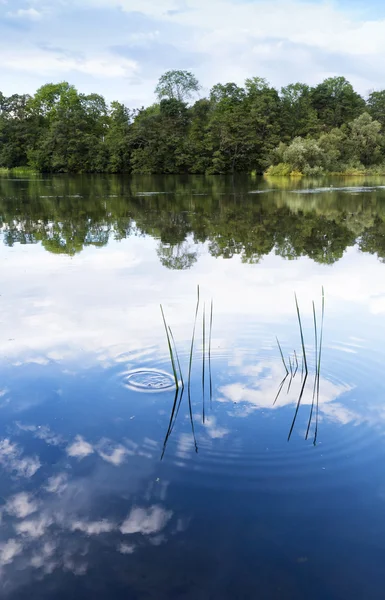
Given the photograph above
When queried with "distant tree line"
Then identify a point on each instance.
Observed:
(329, 127)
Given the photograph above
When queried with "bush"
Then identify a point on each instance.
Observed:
(280, 170)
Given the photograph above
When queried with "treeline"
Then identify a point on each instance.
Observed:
(299, 128)
(66, 215)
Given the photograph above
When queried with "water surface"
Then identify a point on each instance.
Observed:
(94, 503)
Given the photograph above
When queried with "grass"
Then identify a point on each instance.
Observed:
(176, 366)
(283, 359)
(170, 349)
(18, 171)
(319, 363)
(203, 360)
(318, 340)
(192, 340)
(316, 366)
(210, 335)
(301, 331)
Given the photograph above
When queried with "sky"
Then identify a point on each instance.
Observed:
(119, 48)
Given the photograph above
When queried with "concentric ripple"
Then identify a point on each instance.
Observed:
(148, 380)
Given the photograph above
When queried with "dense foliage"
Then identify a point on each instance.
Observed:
(67, 214)
(329, 127)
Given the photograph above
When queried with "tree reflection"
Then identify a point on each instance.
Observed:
(68, 214)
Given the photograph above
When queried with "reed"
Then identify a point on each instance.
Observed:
(170, 349)
(283, 360)
(171, 422)
(203, 360)
(316, 371)
(296, 363)
(301, 331)
(177, 357)
(192, 340)
(210, 336)
(319, 364)
(298, 405)
(280, 388)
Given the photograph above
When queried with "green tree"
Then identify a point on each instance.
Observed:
(376, 106)
(178, 85)
(336, 102)
(298, 116)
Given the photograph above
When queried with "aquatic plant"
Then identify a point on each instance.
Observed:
(304, 368)
(171, 350)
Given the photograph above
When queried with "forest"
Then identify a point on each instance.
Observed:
(297, 130)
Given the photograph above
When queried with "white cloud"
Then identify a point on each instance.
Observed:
(93, 527)
(146, 520)
(41, 559)
(114, 454)
(9, 550)
(34, 528)
(42, 432)
(79, 448)
(26, 13)
(57, 483)
(214, 431)
(12, 460)
(47, 64)
(126, 548)
(21, 505)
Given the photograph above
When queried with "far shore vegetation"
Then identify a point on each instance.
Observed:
(295, 131)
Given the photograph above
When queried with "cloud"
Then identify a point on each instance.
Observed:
(126, 548)
(111, 453)
(49, 63)
(146, 520)
(12, 460)
(57, 484)
(34, 528)
(42, 432)
(9, 550)
(214, 431)
(79, 448)
(41, 559)
(26, 13)
(93, 527)
(222, 40)
(21, 505)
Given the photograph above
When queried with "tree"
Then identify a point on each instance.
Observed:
(179, 85)
(304, 155)
(376, 106)
(117, 139)
(364, 140)
(336, 102)
(298, 116)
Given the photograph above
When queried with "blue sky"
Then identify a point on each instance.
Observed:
(119, 48)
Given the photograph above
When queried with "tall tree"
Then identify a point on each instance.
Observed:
(178, 85)
(336, 102)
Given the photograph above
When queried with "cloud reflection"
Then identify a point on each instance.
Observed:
(12, 459)
(146, 521)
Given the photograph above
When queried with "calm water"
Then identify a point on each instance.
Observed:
(233, 510)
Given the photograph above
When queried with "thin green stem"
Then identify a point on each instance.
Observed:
(301, 331)
(316, 371)
(203, 360)
(283, 360)
(192, 340)
(319, 364)
(210, 334)
(170, 350)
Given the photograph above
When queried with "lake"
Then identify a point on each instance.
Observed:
(245, 481)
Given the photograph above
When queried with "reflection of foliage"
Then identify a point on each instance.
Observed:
(67, 214)
(179, 257)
